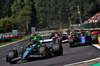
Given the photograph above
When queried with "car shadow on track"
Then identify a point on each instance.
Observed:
(80, 45)
(34, 59)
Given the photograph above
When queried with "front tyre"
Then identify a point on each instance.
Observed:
(11, 55)
(30, 38)
(44, 51)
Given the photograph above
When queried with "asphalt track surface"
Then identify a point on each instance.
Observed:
(70, 55)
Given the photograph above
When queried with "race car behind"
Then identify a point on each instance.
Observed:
(55, 34)
(64, 38)
(82, 39)
(35, 37)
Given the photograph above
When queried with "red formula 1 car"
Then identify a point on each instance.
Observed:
(55, 34)
(64, 38)
(95, 32)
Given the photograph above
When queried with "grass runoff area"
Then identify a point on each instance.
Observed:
(13, 40)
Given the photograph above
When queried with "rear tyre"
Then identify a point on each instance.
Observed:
(88, 39)
(94, 38)
(54, 40)
(57, 49)
(71, 42)
(59, 40)
(11, 55)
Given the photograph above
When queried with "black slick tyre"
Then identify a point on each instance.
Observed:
(11, 55)
(71, 42)
(57, 49)
(94, 38)
(44, 51)
(59, 40)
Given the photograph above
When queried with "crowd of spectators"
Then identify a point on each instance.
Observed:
(94, 18)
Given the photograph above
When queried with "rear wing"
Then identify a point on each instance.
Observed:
(95, 32)
(80, 31)
(47, 40)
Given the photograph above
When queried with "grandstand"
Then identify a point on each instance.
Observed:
(94, 18)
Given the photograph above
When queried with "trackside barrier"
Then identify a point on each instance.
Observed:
(6, 39)
(48, 32)
(87, 25)
(45, 33)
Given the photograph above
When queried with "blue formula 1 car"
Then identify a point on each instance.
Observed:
(82, 38)
(34, 49)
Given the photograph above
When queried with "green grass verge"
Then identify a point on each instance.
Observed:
(13, 40)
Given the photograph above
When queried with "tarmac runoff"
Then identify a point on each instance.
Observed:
(91, 62)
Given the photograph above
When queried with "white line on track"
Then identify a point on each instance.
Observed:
(72, 64)
(96, 46)
(82, 62)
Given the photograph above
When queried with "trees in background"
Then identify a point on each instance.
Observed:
(24, 14)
